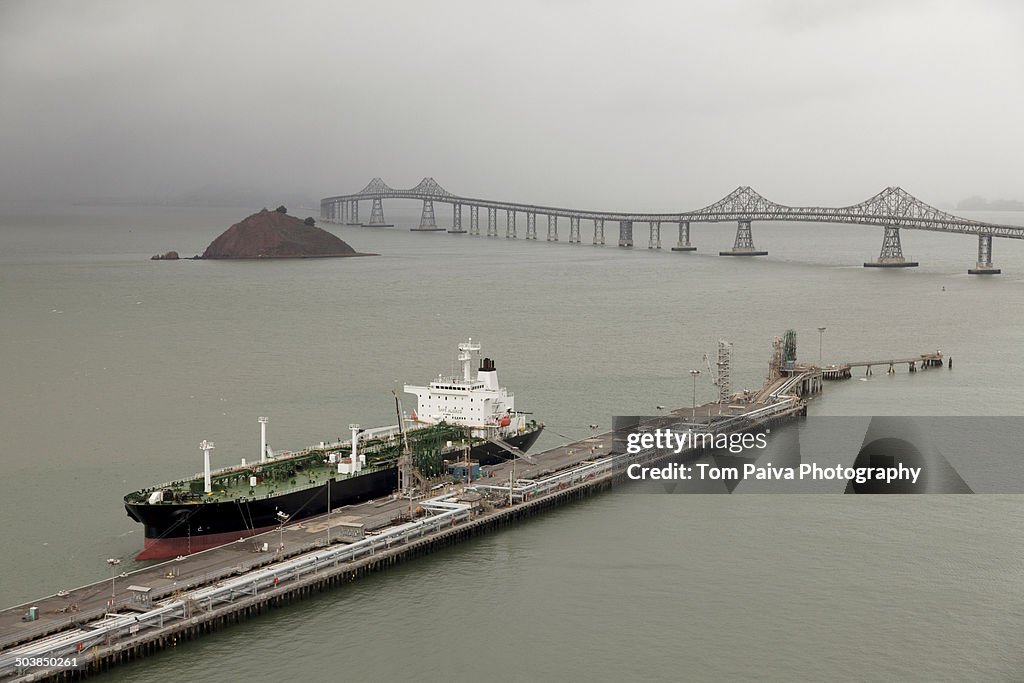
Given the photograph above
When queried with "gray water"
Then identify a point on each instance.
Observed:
(114, 367)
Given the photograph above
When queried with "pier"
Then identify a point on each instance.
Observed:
(132, 615)
(124, 618)
(893, 209)
(923, 361)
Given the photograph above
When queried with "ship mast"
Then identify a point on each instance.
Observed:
(466, 350)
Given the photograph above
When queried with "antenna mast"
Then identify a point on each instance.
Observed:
(466, 350)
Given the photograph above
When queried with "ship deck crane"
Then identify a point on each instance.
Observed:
(711, 373)
(407, 471)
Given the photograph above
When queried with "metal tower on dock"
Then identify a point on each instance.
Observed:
(724, 364)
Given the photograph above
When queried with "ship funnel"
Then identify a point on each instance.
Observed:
(488, 374)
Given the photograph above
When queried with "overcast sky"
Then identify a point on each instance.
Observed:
(612, 104)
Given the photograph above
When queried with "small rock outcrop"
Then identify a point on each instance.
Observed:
(168, 256)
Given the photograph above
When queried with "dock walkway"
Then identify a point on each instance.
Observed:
(924, 360)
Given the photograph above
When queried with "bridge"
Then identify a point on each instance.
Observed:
(892, 209)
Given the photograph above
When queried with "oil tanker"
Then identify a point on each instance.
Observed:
(460, 417)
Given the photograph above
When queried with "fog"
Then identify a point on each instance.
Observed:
(604, 105)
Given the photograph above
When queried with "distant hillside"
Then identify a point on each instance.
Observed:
(275, 234)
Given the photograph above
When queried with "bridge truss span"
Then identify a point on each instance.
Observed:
(893, 207)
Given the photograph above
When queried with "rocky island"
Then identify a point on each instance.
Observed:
(275, 234)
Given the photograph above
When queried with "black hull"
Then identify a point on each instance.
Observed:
(235, 519)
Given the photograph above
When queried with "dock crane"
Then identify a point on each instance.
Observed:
(711, 373)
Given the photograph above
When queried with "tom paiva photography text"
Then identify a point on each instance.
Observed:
(808, 471)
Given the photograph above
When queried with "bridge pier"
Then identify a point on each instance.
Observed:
(492, 222)
(684, 238)
(654, 240)
(377, 215)
(353, 213)
(510, 224)
(984, 265)
(531, 225)
(427, 221)
(625, 233)
(891, 255)
(744, 244)
(344, 213)
(599, 231)
(552, 228)
(474, 221)
(457, 219)
(574, 230)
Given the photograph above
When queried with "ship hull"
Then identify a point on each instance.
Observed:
(173, 529)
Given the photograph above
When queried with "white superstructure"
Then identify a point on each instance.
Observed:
(479, 403)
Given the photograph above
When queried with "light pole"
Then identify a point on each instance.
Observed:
(693, 374)
(821, 335)
(282, 517)
(113, 562)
